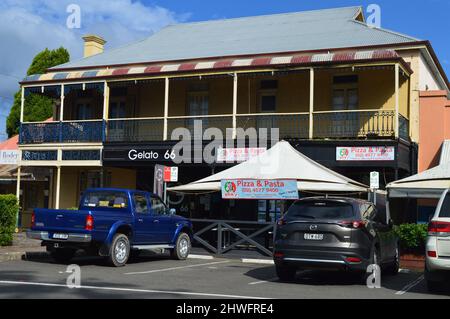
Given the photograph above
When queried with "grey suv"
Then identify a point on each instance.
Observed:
(334, 234)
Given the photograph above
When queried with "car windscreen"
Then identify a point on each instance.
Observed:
(105, 199)
(445, 209)
(320, 210)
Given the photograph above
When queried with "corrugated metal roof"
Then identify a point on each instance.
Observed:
(298, 31)
(445, 153)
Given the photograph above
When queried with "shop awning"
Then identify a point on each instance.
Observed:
(282, 161)
(428, 184)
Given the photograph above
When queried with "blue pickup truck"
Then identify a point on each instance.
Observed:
(114, 223)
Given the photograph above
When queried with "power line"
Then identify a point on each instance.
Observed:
(11, 76)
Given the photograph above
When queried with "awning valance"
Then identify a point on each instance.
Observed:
(214, 64)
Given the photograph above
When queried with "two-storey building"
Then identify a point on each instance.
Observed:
(342, 92)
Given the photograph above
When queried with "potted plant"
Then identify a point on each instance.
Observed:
(412, 239)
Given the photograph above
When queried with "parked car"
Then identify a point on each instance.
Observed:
(113, 223)
(437, 266)
(334, 234)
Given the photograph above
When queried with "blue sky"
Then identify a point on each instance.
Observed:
(29, 26)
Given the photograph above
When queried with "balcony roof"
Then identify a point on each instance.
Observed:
(213, 65)
(335, 28)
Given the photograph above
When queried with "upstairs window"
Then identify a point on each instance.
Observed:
(198, 99)
(268, 95)
(345, 92)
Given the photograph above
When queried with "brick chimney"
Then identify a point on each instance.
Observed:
(93, 44)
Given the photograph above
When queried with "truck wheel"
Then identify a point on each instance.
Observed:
(119, 252)
(62, 255)
(182, 247)
(286, 273)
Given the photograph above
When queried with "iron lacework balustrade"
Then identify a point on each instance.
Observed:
(89, 131)
(354, 124)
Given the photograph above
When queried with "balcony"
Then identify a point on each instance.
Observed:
(354, 124)
(292, 125)
(326, 125)
(220, 122)
(90, 131)
(135, 130)
(368, 103)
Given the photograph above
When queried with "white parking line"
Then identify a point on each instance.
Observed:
(200, 257)
(263, 281)
(175, 268)
(257, 261)
(202, 294)
(409, 286)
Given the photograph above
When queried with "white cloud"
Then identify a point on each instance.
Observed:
(29, 26)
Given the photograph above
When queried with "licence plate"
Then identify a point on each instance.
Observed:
(60, 236)
(313, 236)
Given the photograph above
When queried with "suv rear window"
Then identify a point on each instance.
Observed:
(445, 209)
(310, 210)
(105, 199)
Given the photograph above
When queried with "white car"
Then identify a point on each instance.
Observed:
(437, 269)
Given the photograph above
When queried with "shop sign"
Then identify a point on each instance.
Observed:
(238, 154)
(259, 189)
(9, 157)
(151, 155)
(170, 174)
(370, 153)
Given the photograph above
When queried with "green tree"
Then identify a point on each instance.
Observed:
(37, 107)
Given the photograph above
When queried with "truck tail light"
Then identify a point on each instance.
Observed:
(432, 253)
(89, 222)
(439, 229)
(353, 260)
(33, 220)
(278, 255)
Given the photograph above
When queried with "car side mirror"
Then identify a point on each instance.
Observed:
(172, 211)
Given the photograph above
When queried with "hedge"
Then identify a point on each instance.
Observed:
(8, 214)
(412, 237)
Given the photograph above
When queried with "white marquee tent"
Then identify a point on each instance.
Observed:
(427, 184)
(282, 161)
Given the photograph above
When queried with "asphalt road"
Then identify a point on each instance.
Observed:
(160, 277)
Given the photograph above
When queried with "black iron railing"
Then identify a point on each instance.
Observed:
(135, 130)
(196, 126)
(403, 127)
(340, 124)
(354, 124)
(62, 132)
(288, 125)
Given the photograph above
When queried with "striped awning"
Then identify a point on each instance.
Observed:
(218, 64)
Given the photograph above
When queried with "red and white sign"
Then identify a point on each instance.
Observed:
(170, 174)
(369, 153)
(238, 154)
